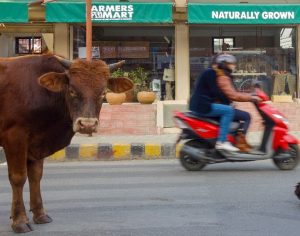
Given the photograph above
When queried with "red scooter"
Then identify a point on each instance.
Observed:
(199, 135)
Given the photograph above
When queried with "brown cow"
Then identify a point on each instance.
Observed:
(44, 101)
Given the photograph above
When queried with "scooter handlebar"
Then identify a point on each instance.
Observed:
(261, 94)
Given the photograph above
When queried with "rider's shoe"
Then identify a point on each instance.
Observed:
(227, 146)
(244, 140)
(241, 143)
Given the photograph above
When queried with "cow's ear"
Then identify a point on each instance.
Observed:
(119, 85)
(53, 81)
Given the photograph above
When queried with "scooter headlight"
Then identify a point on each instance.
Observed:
(280, 117)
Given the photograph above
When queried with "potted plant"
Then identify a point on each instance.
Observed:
(115, 98)
(119, 73)
(141, 81)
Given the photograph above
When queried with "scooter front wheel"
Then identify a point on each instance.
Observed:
(291, 162)
(190, 164)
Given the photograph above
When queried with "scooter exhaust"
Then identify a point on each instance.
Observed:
(197, 154)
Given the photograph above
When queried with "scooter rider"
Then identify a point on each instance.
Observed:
(226, 64)
(240, 116)
(203, 104)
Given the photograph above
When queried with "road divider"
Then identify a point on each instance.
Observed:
(112, 151)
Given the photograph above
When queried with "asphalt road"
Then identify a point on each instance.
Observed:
(161, 198)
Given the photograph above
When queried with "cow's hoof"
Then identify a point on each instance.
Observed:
(22, 228)
(44, 219)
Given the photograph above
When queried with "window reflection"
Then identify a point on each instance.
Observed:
(148, 51)
(265, 55)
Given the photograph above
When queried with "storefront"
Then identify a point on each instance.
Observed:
(172, 42)
(265, 39)
(142, 33)
(262, 37)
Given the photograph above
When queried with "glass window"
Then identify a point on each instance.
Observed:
(265, 55)
(222, 44)
(148, 51)
(28, 45)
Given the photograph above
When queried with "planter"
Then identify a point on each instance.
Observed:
(129, 95)
(282, 98)
(146, 97)
(115, 98)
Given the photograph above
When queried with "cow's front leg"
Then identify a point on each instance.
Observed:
(16, 155)
(35, 173)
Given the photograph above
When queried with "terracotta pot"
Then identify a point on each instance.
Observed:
(146, 97)
(115, 98)
(129, 95)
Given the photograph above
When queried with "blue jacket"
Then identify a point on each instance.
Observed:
(206, 92)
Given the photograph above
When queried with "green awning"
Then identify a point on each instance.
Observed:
(109, 12)
(14, 11)
(243, 13)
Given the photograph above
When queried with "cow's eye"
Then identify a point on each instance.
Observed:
(73, 93)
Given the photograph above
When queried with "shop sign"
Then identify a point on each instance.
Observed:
(110, 12)
(123, 49)
(243, 14)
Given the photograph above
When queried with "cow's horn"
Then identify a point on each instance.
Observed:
(66, 63)
(117, 65)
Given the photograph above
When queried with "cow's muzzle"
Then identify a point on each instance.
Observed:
(85, 125)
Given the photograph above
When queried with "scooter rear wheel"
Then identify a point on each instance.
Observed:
(290, 163)
(189, 164)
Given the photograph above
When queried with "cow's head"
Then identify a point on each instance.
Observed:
(83, 85)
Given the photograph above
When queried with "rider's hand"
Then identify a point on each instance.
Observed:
(256, 99)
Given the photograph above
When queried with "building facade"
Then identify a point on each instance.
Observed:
(173, 41)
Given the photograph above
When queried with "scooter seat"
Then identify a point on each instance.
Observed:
(211, 120)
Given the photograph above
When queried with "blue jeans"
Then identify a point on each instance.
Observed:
(244, 117)
(226, 114)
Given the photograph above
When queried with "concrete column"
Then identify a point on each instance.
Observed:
(48, 40)
(182, 62)
(4, 45)
(298, 60)
(180, 3)
(61, 40)
(71, 42)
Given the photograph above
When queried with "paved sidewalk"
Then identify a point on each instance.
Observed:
(125, 147)
(164, 138)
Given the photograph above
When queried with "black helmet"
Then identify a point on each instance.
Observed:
(225, 58)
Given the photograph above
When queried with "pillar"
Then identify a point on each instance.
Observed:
(182, 62)
(61, 40)
(181, 3)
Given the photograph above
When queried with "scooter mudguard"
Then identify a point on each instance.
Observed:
(288, 139)
(282, 139)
